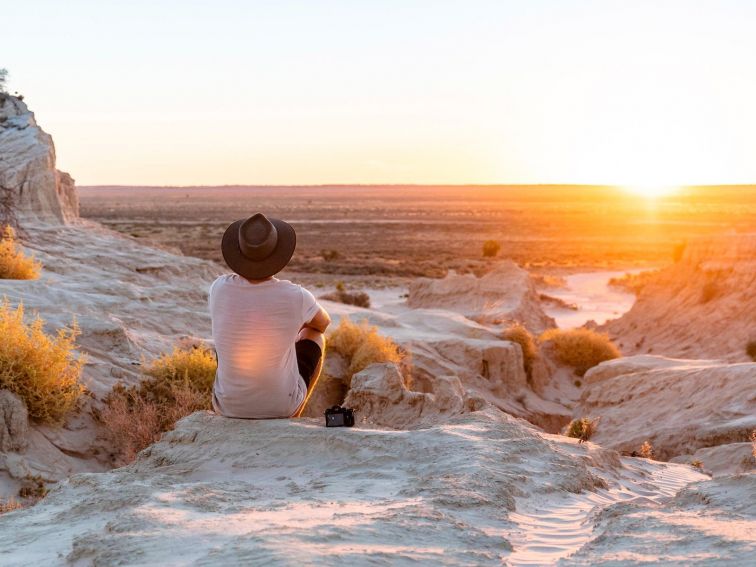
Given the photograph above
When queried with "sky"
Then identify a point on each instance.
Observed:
(186, 92)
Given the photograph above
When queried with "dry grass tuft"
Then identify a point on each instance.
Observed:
(177, 385)
(42, 370)
(9, 505)
(14, 264)
(517, 333)
(341, 295)
(646, 450)
(751, 350)
(491, 248)
(582, 429)
(361, 345)
(581, 349)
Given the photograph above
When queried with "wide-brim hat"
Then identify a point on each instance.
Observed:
(258, 247)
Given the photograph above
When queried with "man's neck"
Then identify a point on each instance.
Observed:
(259, 281)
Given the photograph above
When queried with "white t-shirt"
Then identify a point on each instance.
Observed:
(255, 326)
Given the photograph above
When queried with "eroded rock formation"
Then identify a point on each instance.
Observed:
(28, 178)
(703, 306)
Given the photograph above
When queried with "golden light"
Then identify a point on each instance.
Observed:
(651, 191)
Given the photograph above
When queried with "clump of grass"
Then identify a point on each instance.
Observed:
(329, 254)
(33, 488)
(491, 248)
(751, 350)
(9, 505)
(177, 384)
(361, 345)
(710, 291)
(582, 429)
(42, 370)
(698, 464)
(581, 349)
(14, 264)
(646, 450)
(358, 298)
(517, 333)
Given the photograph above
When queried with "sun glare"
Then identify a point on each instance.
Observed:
(651, 191)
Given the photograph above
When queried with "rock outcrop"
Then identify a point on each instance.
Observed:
(703, 306)
(28, 178)
(14, 422)
(222, 491)
(679, 406)
(504, 295)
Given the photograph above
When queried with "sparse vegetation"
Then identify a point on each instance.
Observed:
(698, 464)
(517, 333)
(358, 298)
(361, 345)
(491, 248)
(710, 291)
(751, 350)
(329, 255)
(177, 384)
(581, 349)
(582, 429)
(33, 488)
(578, 383)
(634, 283)
(9, 505)
(42, 370)
(14, 264)
(646, 450)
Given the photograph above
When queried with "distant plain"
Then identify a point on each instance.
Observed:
(380, 235)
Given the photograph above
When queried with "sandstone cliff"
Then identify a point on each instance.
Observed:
(28, 177)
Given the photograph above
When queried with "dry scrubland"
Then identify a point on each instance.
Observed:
(374, 232)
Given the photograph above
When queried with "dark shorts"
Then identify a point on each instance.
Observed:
(308, 357)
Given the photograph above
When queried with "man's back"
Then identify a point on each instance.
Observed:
(255, 326)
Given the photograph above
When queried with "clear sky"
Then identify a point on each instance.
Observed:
(295, 92)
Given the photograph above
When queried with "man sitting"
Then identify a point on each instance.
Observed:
(268, 332)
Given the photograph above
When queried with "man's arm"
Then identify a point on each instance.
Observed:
(320, 322)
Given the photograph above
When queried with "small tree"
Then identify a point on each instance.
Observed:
(3, 79)
(491, 248)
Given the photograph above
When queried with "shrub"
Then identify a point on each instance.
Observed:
(698, 464)
(14, 264)
(646, 450)
(517, 333)
(751, 350)
(193, 366)
(709, 292)
(581, 349)
(9, 505)
(42, 370)
(33, 488)
(330, 255)
(361, 345)
(177, 384)
(358, 298)
(491, 248)
(582, 429)
(3, 79)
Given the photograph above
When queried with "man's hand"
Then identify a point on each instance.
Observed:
(320, 322)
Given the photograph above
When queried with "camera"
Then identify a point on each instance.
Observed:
(339, 417)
